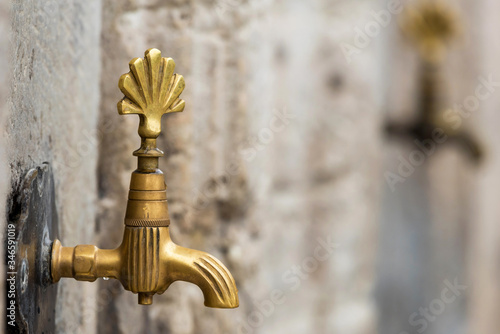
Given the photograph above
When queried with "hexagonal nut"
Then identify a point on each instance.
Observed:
(84, 259)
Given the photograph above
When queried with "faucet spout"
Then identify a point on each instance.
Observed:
(204, 270)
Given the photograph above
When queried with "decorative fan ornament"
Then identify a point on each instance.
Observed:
(431, 25)
(151, 89)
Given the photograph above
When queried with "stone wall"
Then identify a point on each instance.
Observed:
(259, 167)
(51, 115)
(484, 230)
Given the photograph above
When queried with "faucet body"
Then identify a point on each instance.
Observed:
(148, 261)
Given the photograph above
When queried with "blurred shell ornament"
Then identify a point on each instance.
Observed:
(431, 25)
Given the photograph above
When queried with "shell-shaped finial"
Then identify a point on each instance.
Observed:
(431, 25)
(151, 89)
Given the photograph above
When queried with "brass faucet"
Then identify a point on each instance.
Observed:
(147, 261)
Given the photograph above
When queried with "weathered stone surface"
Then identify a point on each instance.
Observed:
(51, 115)
(262, 163)
(483, 269)
(4, 168)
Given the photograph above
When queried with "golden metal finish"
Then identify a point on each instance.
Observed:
(431, 25)
(147, 261)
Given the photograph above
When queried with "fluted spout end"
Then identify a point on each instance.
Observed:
(211, 276)
(222, 292)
